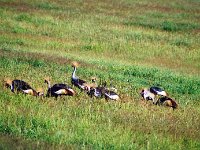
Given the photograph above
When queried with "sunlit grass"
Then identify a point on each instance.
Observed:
(129, 44)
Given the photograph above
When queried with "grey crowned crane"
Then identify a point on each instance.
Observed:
(81, 84)
(167, 101)
(93, 89)
(58, 89)
(147, 95)
(97, 92)
(152, 93)
(157, 91)
(111, 95)
(102, 91)
(22, 86)
(89, 86)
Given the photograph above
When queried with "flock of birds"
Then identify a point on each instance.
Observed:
(156, 94)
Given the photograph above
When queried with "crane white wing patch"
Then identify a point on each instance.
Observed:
(61, 91)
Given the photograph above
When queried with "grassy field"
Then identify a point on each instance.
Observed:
(131, 44)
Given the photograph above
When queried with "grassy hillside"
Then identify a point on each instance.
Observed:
(130, 44)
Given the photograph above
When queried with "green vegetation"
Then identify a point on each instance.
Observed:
(130, 44)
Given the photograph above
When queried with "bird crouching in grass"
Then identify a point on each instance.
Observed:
(21, 86)
(157, 91)
(167, 101)
(153, 93)
(147, 95)
(110, 92)
(93, 89)
(75, 80)
(58, 89)
(97, 92)
(158, 96)
(89, 86)
(103, 92)
(111, 95)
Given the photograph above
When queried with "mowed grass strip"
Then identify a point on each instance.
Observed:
(67, 32)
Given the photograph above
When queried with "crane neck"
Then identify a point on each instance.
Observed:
(74, 73)
(12, 87)
(49, 84)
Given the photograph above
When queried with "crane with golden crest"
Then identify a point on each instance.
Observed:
(17, 85)
(76, 81)
(58, 89)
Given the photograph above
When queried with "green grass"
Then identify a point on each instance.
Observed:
(130, 44)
